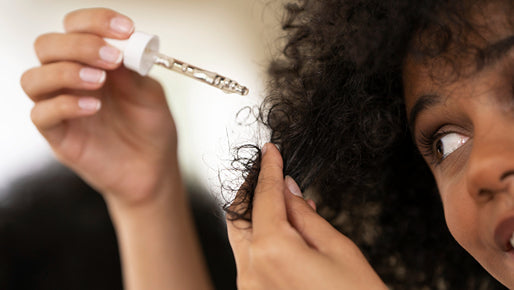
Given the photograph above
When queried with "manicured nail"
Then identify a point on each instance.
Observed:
(110, 54)
(293, 186)
(264, 149)
(92, 75)
(122, 25)
(90, 104)
(312, 204)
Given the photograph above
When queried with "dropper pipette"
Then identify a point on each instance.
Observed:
(141, 52)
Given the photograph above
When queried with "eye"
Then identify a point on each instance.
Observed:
(448, 143)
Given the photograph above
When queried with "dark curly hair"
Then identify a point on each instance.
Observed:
(335, 109)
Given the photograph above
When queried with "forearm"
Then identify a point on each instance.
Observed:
(158, 243)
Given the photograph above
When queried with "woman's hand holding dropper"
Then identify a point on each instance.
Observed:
(113, 128)
(122, 147)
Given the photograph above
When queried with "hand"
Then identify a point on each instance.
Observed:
(127, 147)
(288, 245)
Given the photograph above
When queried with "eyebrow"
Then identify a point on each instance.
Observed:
(490, 54)
(422, 104)
(496, 51)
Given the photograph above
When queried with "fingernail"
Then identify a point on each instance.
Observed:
(89, 104)
(92, 75)
(110, 54)
(264, 149)
(122, 25)
(312, 204)
(293, 186)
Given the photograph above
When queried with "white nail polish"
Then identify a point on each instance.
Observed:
(122, 25)
(89, 104)
(110, 54)
(293, 186)
(92, 75)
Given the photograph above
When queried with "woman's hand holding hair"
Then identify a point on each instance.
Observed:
(288, 245)
(114, 128)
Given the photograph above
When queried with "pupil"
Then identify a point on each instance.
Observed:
(439, 147)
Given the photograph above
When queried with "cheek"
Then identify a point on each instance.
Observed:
(460, 214)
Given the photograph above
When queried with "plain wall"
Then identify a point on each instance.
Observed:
(232, 37)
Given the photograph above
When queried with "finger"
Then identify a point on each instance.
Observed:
(84, 48)
(48, 114)
(239, 230)
(269, 208)
(237, 221)
(316, 231)
(239, 236)
(100, 21)
(39, 82)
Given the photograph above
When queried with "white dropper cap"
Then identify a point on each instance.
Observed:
(138, 51)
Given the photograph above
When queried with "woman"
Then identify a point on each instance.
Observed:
(337, 114)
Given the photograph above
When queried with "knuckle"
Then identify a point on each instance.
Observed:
(25, 81)
(40, 41)
(89, 45)
(343, 246)
(35, 115)
(66, 72)
(68, 17)
(63, 106)
(80, 47)
(61, 73)
(154, 86)
(271, 166)
(267, 184)
(264, 252)
(106, 13)
(42, 45)
(269, 250)
(100, 16)
(269, 175)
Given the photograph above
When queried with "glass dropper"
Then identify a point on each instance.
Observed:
(211, 78)
(141, 52)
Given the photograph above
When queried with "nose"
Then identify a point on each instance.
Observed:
(491, 165)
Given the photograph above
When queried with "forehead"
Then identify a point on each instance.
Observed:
(483, 49)
(424, 85)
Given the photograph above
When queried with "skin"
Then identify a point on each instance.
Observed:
(115, 130)
(288, 245)
(473, 113)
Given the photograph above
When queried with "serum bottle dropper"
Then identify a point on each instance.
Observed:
(141, 52)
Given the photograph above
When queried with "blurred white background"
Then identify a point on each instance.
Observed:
(232, 37)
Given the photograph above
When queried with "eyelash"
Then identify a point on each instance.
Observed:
(426, 144)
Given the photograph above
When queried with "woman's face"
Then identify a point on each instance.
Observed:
(464, 127)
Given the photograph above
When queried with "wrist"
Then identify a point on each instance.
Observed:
(166, 197)
(156, 232)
